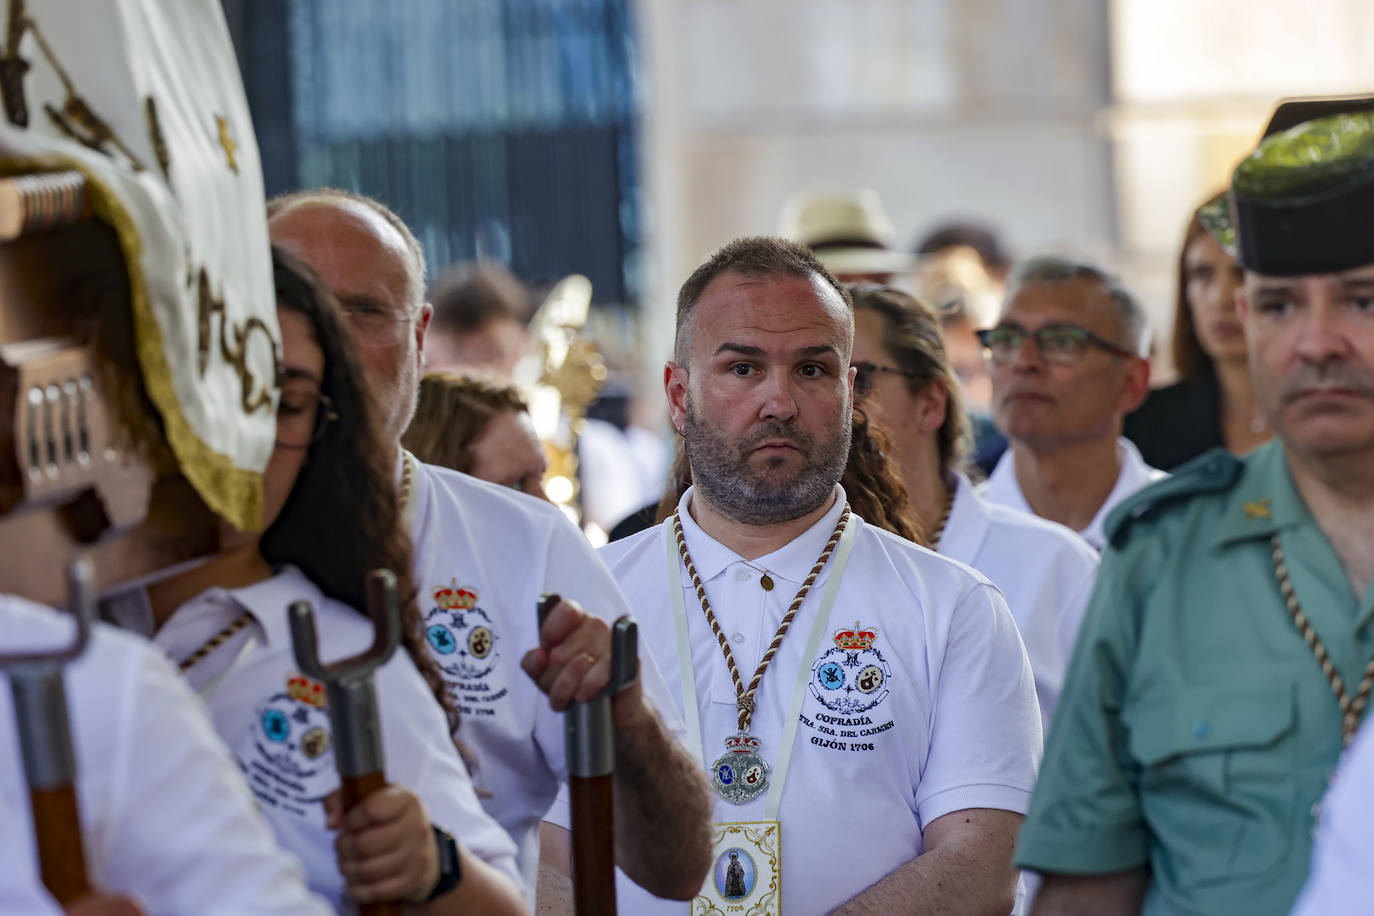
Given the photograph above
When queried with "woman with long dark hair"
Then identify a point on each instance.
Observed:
(1212, 404)
(330, 512)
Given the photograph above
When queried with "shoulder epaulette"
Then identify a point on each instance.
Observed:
(1210, 472)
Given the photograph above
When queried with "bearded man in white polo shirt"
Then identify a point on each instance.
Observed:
(1067, 364)
(860, 701)
(484, 555)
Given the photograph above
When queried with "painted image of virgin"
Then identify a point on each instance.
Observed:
(735, 874)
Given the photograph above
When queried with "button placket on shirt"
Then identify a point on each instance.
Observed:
(742, 617)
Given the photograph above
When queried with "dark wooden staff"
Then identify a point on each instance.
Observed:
(589, 733)
(352, 694)
(45, 740)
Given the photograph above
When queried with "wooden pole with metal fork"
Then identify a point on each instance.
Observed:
(589, 735)
(353, 713)
(45, 740)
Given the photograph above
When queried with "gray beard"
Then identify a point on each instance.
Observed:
(723, 476)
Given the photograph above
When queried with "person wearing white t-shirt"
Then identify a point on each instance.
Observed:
(166, 821)
(330, 514)
(483, 557)
(1067, 363)
(1344, 841)
(883, 725)
(905, 384)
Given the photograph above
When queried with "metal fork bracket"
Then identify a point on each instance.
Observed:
(590, 735)
(40, 695)
(353, 711)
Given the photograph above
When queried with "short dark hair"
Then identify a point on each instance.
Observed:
(982, 239)
(468, 297)
(1051, 269)
(754, 256)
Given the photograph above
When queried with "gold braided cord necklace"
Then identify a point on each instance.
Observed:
(214, 642)
(934, 540)
(744, 698)
(1351, 710)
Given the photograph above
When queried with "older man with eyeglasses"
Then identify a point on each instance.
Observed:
(1067, 365)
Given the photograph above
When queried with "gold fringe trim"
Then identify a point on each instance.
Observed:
(233, 493)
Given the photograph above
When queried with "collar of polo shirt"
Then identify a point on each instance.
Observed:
(968, 523)
(268, 600)
(791, 562)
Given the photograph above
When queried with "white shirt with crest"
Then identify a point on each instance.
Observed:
(1045, 571)
(1002, 488)
(165, 816)
(951, 723)
(484, 556)
(276, 722)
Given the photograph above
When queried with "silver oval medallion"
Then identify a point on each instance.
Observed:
(739, 777)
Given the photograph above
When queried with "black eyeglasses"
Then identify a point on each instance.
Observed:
(863, 378)
(1062, 344)
(302, 418)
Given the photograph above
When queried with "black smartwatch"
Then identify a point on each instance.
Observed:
(450, 869)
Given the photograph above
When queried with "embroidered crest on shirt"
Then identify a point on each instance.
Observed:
(288, 754)
(464, 643)
(852, 677)
(849, 680)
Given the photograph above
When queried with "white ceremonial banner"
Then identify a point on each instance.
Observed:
(144, 97)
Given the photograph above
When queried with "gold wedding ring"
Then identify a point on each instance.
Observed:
(591, 659)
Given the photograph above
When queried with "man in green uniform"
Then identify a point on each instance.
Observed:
(1226, 653)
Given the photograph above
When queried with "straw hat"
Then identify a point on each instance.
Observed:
(848, 230)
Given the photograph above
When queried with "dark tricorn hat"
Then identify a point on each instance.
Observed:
(1292, 112)
(1303, 201)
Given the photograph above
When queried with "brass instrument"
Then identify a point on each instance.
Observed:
(571, 374)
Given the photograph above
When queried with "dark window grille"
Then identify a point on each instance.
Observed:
(503, 129)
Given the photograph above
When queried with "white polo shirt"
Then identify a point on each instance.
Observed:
(1002, 487)
(276, 723)
(1339, 881)
(1045, 571)
(165, 816)
(953, 723)
(484, 556)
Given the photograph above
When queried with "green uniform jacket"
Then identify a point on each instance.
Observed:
(1196, 730)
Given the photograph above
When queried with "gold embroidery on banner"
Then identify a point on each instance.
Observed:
(227, 141)
(209, 307)
(77, 119)
(235, 354)
(159, 142)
